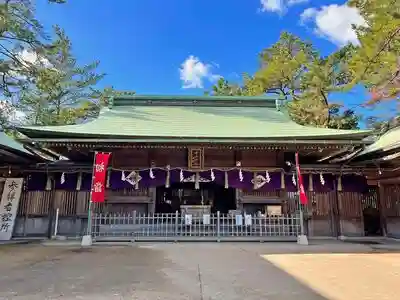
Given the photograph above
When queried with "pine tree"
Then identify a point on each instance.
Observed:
(376, 62)
(62, 92)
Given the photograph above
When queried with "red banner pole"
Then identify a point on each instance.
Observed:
(89, 228)
(298, 192)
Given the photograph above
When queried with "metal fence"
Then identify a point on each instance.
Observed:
(177, 227)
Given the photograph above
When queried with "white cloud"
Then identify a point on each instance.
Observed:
(27, 59)
(334, 22)
(13, 115)
(193, 72)
(294, 2)
(279, 6)
(32, 58)
(308, 14)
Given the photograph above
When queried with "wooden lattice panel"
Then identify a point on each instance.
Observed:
(196, 158)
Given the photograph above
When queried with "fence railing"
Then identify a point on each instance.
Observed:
(138, 226)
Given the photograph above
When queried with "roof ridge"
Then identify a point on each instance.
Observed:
(183, 100)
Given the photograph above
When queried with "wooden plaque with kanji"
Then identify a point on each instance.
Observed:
(196, 158)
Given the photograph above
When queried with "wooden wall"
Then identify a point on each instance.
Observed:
(73, 203)
(390, 206)
(390, 200)
(213, 158)
(330, 213)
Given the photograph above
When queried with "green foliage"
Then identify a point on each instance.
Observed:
(62, 92)
(224, 88)
(283, 64)
(20, 33)
(102, 99)
(293, 69)
(376, 62)
(323, 76)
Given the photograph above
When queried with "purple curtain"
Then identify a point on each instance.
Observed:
(36, 181)
(116, 181)
(69, 184)
(328, 185)
(146, 180)
(354, 183)
(219, 176)
(235, 182)
(206, 175)
(273, 184)
(86, 182)
(159, 177)
(175, 175)
(291, 187)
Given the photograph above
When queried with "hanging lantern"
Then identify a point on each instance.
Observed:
(226, 180)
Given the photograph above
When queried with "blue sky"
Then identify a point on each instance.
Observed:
(182, 46)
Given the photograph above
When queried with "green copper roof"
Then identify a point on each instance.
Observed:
(11, 144)
(388, 141)
(187, 118)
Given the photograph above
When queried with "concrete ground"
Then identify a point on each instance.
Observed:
(199, 271)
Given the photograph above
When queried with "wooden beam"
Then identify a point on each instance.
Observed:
(13, 155)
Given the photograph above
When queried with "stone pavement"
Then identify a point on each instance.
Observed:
(201, 271)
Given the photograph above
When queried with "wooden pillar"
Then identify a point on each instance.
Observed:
(335, 213)
(382, 207)
(238, 197)
(151, 207)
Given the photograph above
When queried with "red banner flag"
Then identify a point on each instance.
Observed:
(99, 176)
(302, 193)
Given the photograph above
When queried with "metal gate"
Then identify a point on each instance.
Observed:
(177, 227)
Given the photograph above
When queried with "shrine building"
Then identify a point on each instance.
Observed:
(200, 155)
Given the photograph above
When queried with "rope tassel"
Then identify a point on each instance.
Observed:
(339, 184)
(310, 182)
(167, 180)
(48, 182)
(108, 179)
(79, 182)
